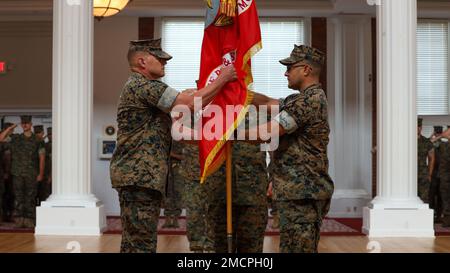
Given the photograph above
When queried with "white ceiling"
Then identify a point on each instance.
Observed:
(35, 9)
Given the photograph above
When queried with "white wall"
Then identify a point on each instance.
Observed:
(27, 47)
(110, 73)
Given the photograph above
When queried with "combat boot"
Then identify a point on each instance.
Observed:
(19, 222)
(169, 222)
(445, 221)
(175, 223)
(437, 220)
(28, 223)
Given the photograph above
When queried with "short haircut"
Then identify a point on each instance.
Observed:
(317, 68)
(132, 52)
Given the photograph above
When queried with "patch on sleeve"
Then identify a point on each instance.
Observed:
(287, 122)
(167, 99)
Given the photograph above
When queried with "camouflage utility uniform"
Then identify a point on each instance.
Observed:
(444, 175)
(2, 180)
(302, 186)
(46, 185)
(25, 152)
(196, 197)
(140, 164)
(250, 212)
(173, 201)
(423, 182)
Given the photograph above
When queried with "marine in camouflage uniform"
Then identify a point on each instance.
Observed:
(249, 213)
(173, 201)
(38, 131)
(195, 198)
(27, 156)
(434, 196)
(140, 164)
(272, 203)
(5, 176)
(249, 196)
(444, 174)
(45, 188)
(424, 148)
(2, 180)
(302, 186)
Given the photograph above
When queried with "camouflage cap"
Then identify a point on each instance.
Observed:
(49, 130)
(38, 129)
(304, 52)
(25, 119)
(419, 122)
(438, 129)
(152, 46)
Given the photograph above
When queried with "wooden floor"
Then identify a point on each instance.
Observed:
(26, 243)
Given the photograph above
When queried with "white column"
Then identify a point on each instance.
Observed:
(72, 209)
(397, 211)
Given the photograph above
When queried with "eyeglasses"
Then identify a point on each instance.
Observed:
(289, 68)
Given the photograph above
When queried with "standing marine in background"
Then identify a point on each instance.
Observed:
(27, 168)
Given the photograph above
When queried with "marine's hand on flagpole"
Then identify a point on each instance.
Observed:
(190, 92)
(269, 190)
(228, 73)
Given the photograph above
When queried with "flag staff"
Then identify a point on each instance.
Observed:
(229, 197)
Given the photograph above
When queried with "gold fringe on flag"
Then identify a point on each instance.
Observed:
(209, 3)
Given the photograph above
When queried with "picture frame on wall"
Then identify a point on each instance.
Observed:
(106, 147)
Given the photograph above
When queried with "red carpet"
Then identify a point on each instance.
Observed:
(330, 227)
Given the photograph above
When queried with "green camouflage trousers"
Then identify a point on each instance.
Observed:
(199, 232)
(423, 188)
(25, 192)
(434, 198)
(2, 193)
(139, 212)
(44, 190)
(173, 202)
(300, 223)
(445, 193)
(249, 226)
(273, 206)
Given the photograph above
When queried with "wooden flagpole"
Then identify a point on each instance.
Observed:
(229, 197)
